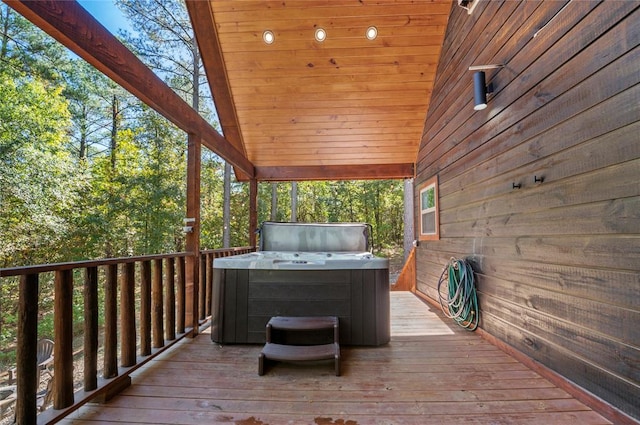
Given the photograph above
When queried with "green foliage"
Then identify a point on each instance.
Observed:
(28, 50)
(379, 203)
(211, 200)
(39, 181)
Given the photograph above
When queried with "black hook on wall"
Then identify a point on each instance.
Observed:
(538, 180)
(516, 186)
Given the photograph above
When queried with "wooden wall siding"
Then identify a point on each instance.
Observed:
(558, 262)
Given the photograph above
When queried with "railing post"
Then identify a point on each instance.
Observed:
(202, 292)
(170, 301)
(145, 308)
(128, 316)
(157, 324)
(209, 283)
(26, 349)
(111, 322)
(90, 328)
(63, 348)
(180, 300)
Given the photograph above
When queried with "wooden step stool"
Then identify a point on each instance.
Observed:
(284, 352)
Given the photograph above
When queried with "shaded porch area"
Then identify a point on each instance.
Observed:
(430, 373)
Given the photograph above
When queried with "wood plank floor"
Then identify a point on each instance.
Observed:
(430, 373)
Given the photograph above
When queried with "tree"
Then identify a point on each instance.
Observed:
(211, 200)
(28, 49)
(40, 184)
(274, 202)
(39, 181)
(294, 202)
(92, 98)
(166, 42)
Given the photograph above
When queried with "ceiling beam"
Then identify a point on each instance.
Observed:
(75, 28)
(336, 172)
(204, 28)
(203, 23)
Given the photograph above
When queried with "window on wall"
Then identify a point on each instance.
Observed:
(429, 217)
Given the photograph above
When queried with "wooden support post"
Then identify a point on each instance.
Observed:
(192, 261)
(90, 328)
(253, 211)
(63, 348)
(26, 349)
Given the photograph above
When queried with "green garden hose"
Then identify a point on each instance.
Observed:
(459, 301)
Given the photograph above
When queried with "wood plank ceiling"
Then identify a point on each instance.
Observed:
(344, 108)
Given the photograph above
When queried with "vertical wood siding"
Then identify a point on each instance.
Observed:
(557, 262)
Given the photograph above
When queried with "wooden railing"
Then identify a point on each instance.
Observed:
(149, 288)
(407, 279)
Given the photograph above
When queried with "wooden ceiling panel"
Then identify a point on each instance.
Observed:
(299, 104)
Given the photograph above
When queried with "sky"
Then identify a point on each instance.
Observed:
(107, 13)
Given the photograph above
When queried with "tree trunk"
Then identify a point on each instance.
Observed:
(83, 135)
(5, 33)
(274, 201)
(408, 218)
(115, 117)
(195, 76)
(294, 202)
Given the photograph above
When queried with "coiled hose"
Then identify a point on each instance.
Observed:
(459, 301)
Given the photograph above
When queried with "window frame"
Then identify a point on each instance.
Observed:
(427, 185)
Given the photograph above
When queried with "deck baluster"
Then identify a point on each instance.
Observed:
(63, 348)
(145, 308)
(90, 328)
(202, 292)
(111, 322)
(208, 283)
(26, 349)
(127, 316)
(156, 305)
(180, 295)
(170, 301)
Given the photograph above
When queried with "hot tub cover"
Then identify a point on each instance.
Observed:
(314, 237)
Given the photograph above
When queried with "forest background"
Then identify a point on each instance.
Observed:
(88, 171)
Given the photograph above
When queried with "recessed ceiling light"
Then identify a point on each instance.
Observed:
(372, 33)
(268, 37)
(321, 35)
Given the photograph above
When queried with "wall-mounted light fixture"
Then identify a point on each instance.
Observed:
(480, 90)
(480, 87)
(469, 5)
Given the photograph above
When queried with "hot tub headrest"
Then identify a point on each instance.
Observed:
(314, 237)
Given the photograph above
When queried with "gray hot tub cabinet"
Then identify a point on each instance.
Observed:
(303, 269)
(244, 300)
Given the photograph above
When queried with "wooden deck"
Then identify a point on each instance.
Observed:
(430, 373)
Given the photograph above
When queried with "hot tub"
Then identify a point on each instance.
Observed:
(282, 260)
(249, 289)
